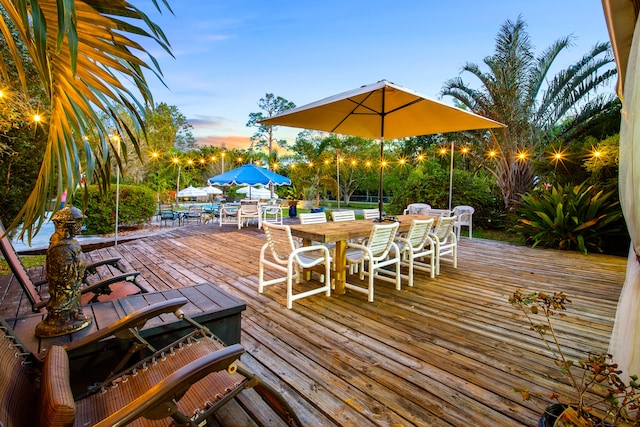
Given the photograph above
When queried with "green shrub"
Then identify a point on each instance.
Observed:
(136, 206)
(570, 218)
(432, 187)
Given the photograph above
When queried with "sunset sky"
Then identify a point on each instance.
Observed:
(229, 54)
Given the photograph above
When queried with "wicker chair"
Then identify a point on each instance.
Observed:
(184, 383)
(113, 287)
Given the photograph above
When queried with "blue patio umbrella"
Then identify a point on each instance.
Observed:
(249, 174)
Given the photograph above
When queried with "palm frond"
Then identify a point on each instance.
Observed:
(83, 55)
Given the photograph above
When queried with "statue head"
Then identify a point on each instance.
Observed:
(69, 218)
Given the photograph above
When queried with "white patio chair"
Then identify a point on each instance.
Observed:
(228, 214)
(377, 253)
(290, 259)
(416, 209)
(338, 216)
(249, 211)
(272, 213)
(437, 212)
(313, 218)
(464, 214)
(371, 213)
(445, 240)
(415, 246)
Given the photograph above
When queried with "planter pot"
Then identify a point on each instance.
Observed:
(553, 411)
(293, 210)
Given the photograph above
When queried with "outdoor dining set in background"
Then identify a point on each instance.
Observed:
(388, 250)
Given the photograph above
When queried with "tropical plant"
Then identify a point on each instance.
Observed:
(518, 92)
(599, 396)
(83, 52)
(569, 217)
(136, 206)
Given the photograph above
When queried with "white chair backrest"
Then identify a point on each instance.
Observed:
(444, 228)
(371, 213)
(313, 218)
(250, 208)
(464, 214)
(381, 239)
(343, 216)
(417, 209)
(280, 240)
(438, 212)
(419, 232)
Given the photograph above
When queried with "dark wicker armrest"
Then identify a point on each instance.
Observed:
(137, 319)
(92, 268)
(159, 400)
(103, 286)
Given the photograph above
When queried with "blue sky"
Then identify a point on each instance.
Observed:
(229, 54)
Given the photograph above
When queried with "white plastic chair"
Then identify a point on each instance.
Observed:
(416, 209)
(445, 240)
(377, 253)
(371, 213)
(290, 259)
(272, 214)
(313, 218)
(338, 216)
(249, 211)
(228, 214)
(415, 246)
(465, 215)
(437, 212)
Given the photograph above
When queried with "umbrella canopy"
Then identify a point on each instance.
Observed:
(255, 193)
(192, 192)
(249, 174)
(211, 190)
(383, 111)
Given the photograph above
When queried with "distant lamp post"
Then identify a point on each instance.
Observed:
(176, 161)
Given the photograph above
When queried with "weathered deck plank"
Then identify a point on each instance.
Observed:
(446, 352)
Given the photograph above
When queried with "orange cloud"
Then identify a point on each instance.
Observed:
(229, 142)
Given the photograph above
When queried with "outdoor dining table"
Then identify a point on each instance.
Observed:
(339, 233)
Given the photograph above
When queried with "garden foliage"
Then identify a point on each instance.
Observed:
(579, 217)
(136, 206)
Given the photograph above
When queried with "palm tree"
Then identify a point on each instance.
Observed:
(83, 53)
(515, 91)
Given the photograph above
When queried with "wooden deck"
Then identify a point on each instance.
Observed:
(447, 352)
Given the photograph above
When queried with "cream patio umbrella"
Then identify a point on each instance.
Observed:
(383, 111)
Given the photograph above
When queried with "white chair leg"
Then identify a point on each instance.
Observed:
(370, 293)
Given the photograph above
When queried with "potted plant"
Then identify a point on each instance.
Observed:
(600, 397)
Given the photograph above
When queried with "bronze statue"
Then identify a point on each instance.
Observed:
(64, 271)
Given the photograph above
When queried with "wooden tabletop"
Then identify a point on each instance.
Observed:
(346, 230)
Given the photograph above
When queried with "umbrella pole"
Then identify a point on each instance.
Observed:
(451, 177)
(380, 194)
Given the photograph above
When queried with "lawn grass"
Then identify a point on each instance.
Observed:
(29, 261)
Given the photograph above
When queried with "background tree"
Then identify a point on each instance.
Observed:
(22, 141)
(517, 92)
(263, 138)
(76, 56)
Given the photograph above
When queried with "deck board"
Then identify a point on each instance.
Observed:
(445, 352)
